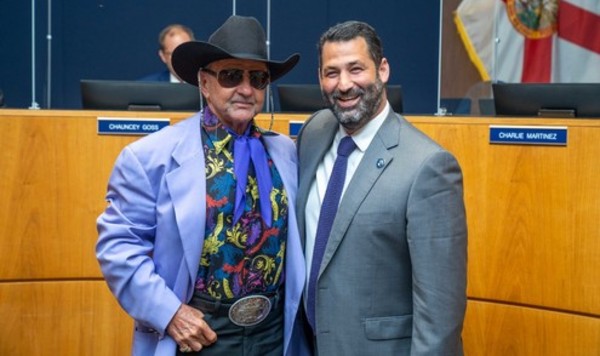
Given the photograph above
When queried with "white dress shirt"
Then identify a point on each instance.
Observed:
(363, 139)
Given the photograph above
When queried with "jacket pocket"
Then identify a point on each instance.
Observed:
(389, 327)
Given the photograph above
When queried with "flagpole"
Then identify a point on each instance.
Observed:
(494, 76)
(268, 93)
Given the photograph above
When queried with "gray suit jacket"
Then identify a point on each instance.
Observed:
(393, 277)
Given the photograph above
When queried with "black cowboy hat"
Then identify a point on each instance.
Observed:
(239, 37)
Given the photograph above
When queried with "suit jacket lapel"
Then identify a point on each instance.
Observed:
(313, 149)
(188, 194)
(373, 164)
(295, 269)
(286, 168)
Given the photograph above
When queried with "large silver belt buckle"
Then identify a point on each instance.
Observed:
(250, 310)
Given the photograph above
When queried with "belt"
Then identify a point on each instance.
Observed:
(246, 311)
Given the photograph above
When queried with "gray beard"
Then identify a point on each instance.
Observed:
(355, 118)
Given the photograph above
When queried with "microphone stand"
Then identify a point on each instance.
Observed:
(268, 93)
(34, 104)
(440, 110)
(49, 59)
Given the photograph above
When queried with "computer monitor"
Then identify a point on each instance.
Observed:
(308, 97)
(547, 99)
(300, 97)
(138, 95)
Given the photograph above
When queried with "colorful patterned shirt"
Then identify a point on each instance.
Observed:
(246, 258)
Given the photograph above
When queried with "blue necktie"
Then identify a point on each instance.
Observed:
(326, 217)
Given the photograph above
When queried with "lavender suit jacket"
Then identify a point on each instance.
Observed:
(151, 234)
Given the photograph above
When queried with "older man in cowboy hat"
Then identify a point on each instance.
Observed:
(199, 242)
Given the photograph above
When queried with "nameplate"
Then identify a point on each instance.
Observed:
(529, 135)
(294, 127)
(130, 126)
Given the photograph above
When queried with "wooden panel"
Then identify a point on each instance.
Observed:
(52, 186)
(532, 212)
(500, 330)
(62, 318)
(534, 237)
(50, 197)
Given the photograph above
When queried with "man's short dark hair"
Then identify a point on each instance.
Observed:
(350, 30)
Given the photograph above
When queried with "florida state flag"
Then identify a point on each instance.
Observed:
(532, 40)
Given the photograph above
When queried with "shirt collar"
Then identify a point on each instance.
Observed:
(217, 133)
(365, 135)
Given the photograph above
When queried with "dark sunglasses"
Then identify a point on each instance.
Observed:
(229, 78)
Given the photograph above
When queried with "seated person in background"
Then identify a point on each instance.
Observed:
(168, 39)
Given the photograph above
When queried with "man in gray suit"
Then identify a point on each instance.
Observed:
(387, 271)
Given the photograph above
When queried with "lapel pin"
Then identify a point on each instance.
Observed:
(380, 163)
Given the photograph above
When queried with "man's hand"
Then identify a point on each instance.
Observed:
(189, 329)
